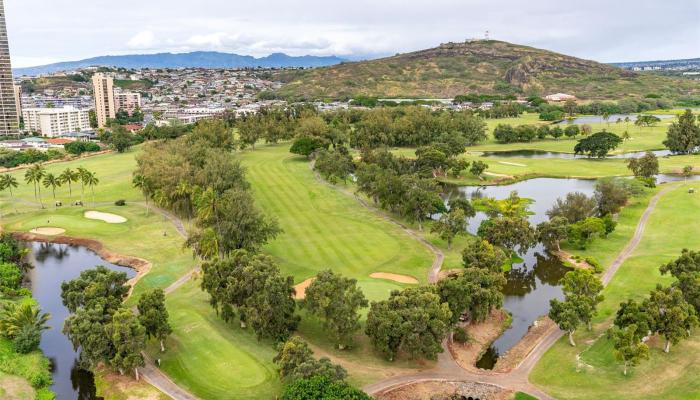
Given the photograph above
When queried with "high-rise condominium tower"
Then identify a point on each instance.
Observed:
(8, 110)
(103, 87)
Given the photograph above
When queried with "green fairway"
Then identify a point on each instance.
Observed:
(596, 375)
(213, 359)
(141, 236)
(324, 228)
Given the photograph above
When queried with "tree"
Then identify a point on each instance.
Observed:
(646, 120)
(252, 286)
(511, 233)
(83, 173)
(628, 348)
(552, 232)
(337, 300)
(128, 338)
(85, 328)
(477, 168)
(683, 136)
(34, 175)
(570, 107)
(90, 179)
(306, 146)
(153, 315)
(475, 291)
(482, 254)
(9, 182)
(95, 287)
(233, 220)
(68, 176)
(572, 131)
(142, 183)
(598, 144)
(646, 166)
(121, 139)
(687, 172)
(582, 284)
(422, 200)
(321, 387)
(686, 269)
(632, 313)
(450, 225)
(575, 207)
(23, 324)
(295, 361)
(566, 315)
(673, 317)
(585, 231)
(611, 194)
(413, 320)
(334, 165)
(52, 181)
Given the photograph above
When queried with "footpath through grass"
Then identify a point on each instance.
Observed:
(596, 374)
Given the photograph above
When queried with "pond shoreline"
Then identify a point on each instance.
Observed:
(141, 266)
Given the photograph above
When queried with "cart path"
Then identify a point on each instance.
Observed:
(447, 369)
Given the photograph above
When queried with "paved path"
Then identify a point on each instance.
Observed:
(447, 369)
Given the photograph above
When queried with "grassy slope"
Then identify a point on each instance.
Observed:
(598, 376)
(491, 67)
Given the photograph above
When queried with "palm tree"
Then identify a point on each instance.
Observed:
(92, 181)
(140, 182)
(16, 318)
(8, 181)
(183, 194)
(82, 175)
(69, 176)
(34, 175)
(51, 180)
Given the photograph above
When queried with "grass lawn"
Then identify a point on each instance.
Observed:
(324, 228)
(642, 138)
(212, 359)
(665, 376)
(19, 372)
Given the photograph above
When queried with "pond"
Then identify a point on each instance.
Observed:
(555, 154)
(534, 282)
(54, 264)
(598, 119)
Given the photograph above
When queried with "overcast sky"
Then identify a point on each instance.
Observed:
(43, 31)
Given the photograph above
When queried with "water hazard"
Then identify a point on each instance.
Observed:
(54, 264)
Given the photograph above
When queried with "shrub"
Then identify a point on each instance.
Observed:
(27, 340)
(120, 203)
(594, 263)
(459, 335)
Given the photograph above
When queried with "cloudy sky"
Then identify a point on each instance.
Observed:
(43, 31)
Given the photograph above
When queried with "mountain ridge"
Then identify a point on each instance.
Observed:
(195, 59)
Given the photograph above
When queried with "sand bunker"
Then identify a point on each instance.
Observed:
(47, 231)
(394, 277)
(512, 163)
(301, 288)
(106, 217)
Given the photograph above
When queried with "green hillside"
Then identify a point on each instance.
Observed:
(485, 67)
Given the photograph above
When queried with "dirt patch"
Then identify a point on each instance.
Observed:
(513, 357)
(394, 277)
(499, 175)
(444, 390)
(113, 385)
(139, 264)
(106, 217)
(15, 388)
(444, 273)
(48, 231)
(481, 335)
(569, 259)
(300, 289)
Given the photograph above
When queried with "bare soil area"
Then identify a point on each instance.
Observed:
(300, 289)
(513, 357)
(481, 335)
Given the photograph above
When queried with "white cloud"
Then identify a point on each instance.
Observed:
(144, 40)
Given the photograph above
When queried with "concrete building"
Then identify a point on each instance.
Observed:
(127, 101)
(103, 90)
(9, 122)
(18, 101)
(559, 97)
(53, 122)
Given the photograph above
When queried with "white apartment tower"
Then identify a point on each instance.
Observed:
(53, 122)
(105, 107)
(9, 121)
